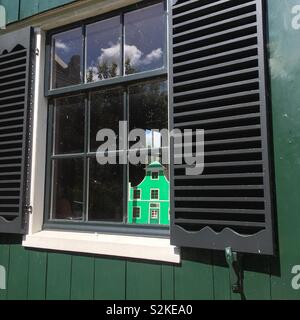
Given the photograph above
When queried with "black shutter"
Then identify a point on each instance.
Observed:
(15, 116)
(217, 83)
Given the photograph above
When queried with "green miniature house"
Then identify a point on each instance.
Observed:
(149, 202)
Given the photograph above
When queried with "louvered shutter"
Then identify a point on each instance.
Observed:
(15, 116)
(217, 83)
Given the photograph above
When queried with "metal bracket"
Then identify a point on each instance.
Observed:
(233, 261)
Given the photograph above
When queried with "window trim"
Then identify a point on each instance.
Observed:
(136, 207)
(137, 246)
(140, 197)
(154, 189)
(157, 175)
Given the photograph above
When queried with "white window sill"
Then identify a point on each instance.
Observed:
(145, 248)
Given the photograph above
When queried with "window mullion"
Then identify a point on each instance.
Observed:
(86, 162)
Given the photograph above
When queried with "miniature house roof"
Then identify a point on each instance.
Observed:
(154, 166)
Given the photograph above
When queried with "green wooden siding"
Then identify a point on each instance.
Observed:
(21, 9)
(202, 274)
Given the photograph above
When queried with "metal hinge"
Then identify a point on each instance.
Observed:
(26, 213)
(236, 276)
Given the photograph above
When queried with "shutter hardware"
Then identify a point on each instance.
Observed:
(236, 277)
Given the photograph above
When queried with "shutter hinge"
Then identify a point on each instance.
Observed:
(26, 213)
(28, 210)
(236, 277)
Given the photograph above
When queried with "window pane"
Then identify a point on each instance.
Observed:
(144, 39)
(103, 49)
(105, 192)
(106, 112)
(67, 58)
(148, 110)
(69, 125)
(67, 197)
(154, 194)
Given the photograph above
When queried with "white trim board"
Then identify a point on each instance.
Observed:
(145, 248)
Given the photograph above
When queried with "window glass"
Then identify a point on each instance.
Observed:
(154, 175)
(136, 194)
(82, 189)
(69, 125)
(66, 58)
(67, 189)
(158, 190)
(136, 212)
(148, 110)
(154, 194)
(144, 39)
(106, 111)
(105, 192)
(103, 55)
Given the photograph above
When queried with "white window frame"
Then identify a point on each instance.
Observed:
(154, 199)
(145, 248)
(137, 207)
(137, 189)
(157, 175)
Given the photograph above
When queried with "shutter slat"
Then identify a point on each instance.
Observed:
(213, 35)
(214, 14)
(16, 74)
(219, 45)
(204, 188)
(217, 98)
(15, 61)
(217, 84)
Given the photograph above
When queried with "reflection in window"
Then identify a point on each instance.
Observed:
(69, 125)
(106, 112)
(103, 59)
(67, 200)
(136, 212)
(67, 58)
(154, 194)
(148, 110)
(136, 194)
(144, 39)
(158, 190)
(105, 192)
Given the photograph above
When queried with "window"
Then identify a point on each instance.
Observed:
(154, 214)
(154, 176)
(154, 194)
(103, 73)
(136, 194)
(136, 212)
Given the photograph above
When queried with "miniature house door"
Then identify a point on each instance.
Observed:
(154, 216)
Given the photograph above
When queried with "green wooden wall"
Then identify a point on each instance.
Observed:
(21, 9)
(202, 274)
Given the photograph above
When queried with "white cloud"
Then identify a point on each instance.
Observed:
(112, 54)
(61, 45)
(109, 55)
(152, 56)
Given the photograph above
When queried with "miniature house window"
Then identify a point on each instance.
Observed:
(136, 212)
(154, 194)
(104, 72)
(136, 194)
(154, 176)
